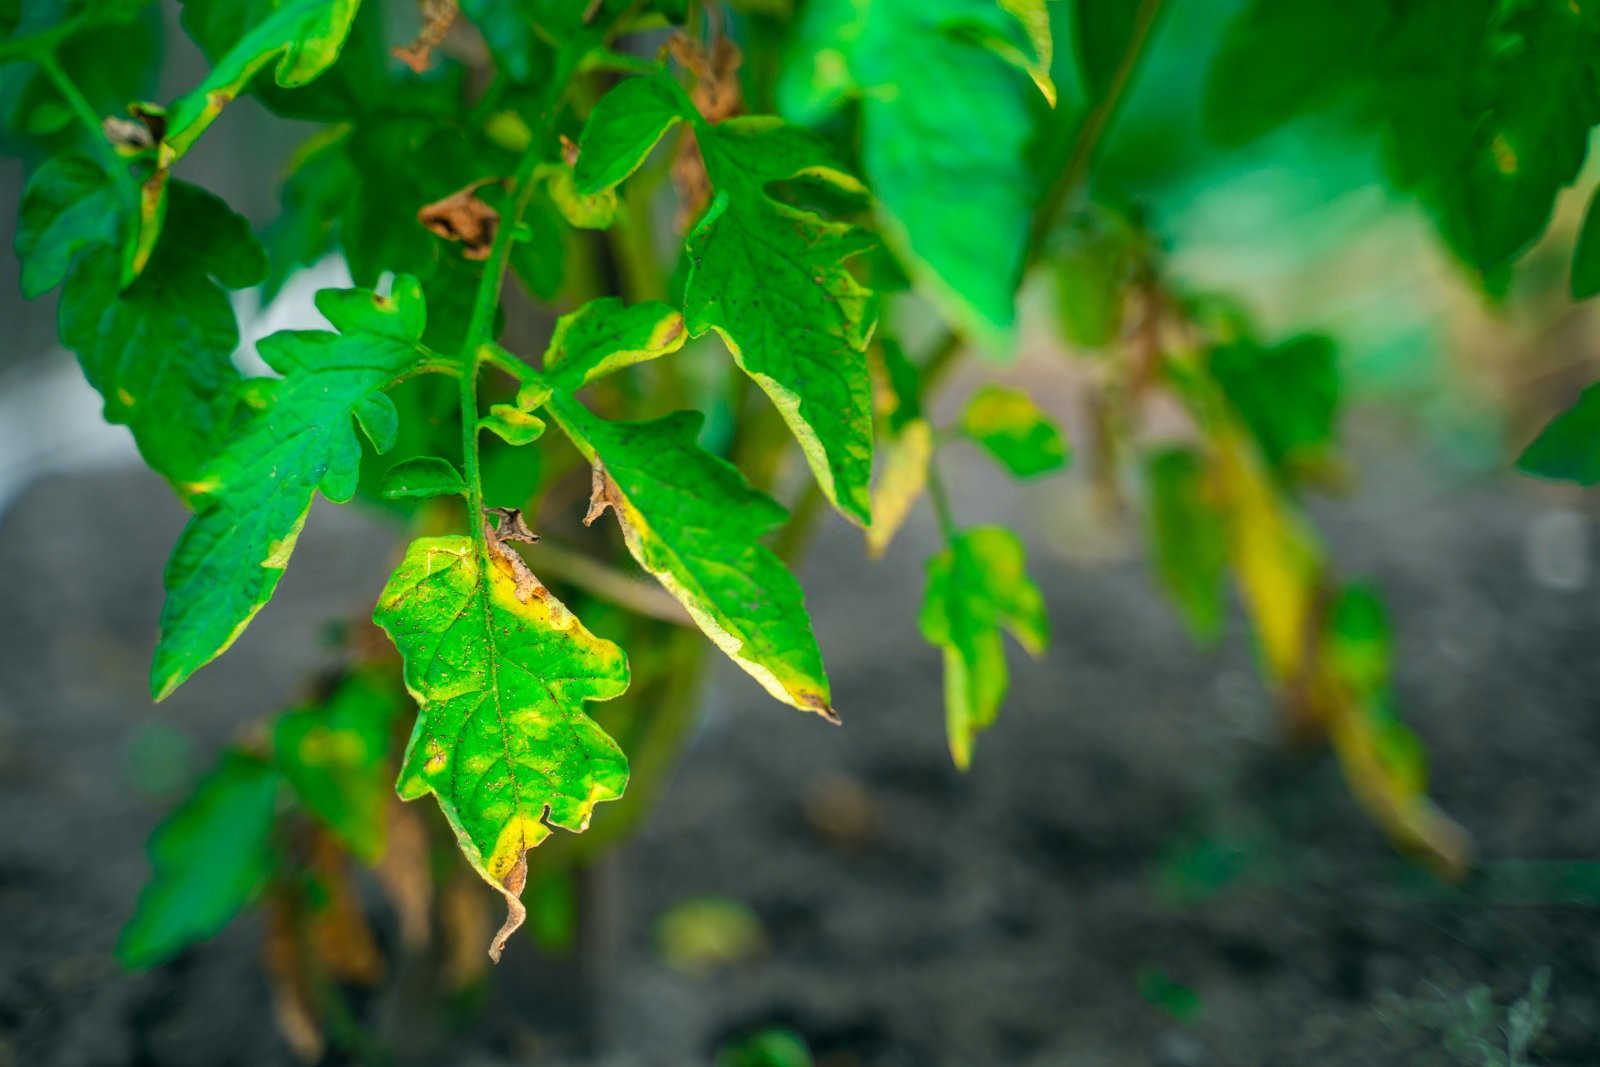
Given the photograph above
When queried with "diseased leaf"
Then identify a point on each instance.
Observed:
(976, 587)
(904, 477)
(604, 336)
(335, 755)
(69, 205)
(1014, 431)
(769, 278)
(210, 858)
(1188, 537)
(256, 493)
(693, 522)
(945, 125)
(1568, 448)
(421, 477)
(159, 352)
(500, 670)
(303, 36)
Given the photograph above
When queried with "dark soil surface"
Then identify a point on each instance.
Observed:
(1132, 820)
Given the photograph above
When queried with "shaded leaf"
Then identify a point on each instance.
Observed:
(210, 858)
(159, 352)
(256, 493)
(421, 477)
(693, 522)
(1188, 537)
(69, 205)
(1287, 395)
(335, 756)
(1586, 256)
(976, 587)
(1568, 448)
(1014, 431)
(500, 675)
(945, 125)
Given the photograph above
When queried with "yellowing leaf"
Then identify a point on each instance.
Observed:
(1014, 431)
(500, 670)
(904, 477)
(769, 278)
(976, 587)
(693, 522)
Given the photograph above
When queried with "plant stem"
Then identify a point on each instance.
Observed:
(941, 501)
(115, 167)
(1092, 130)
(480, 331)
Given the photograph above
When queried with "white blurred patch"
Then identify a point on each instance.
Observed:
(50, 417)
(1555, 548)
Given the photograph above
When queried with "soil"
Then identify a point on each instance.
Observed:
(1135, 871)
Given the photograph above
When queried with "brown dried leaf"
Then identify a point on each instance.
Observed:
(463, 217)
(508, 559)
(403, 873)
(437, 17)
(716, 95)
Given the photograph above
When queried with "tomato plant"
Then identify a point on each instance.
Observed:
(766, 234)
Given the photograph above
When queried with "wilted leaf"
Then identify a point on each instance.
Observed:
(769, 278)
(210, 858)
(500, 674)
(256, 493)
(945, 125)
(976, 587)
(1014, 431)
(693, 522)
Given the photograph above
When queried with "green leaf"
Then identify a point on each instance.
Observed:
(335, 755)
(69, 205)
(1016, 433)
(210, 857)
(976, 587)
(1188, 537)
(1586, 257)
(257, 491)
(1568, 449)
(423, 476)
(501, 672)
(1288, 395)
(693, 522)
(160, 351)
(321, 180)
(945, 124)
(604, 336)
(1101, 30)
(1261, 77)
(769, 278)
(1094, 262)
(304, 36)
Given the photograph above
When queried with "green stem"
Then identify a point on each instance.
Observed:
(480, 332)
(941, 501)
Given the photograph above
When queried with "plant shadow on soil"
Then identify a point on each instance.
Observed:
(1135, 871)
